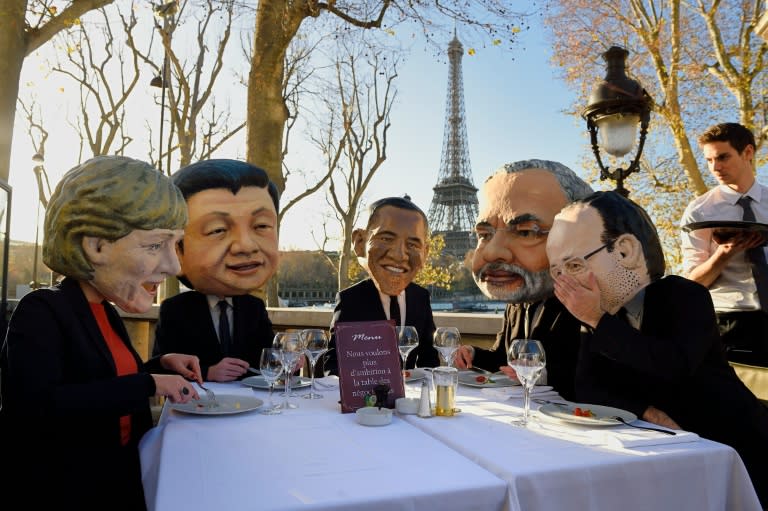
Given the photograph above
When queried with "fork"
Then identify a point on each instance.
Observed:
(208, 393)
(667, 431)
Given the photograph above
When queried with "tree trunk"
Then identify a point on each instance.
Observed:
(344, 257)
(276, 24)
(13, 48)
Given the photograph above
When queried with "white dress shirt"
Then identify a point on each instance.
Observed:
(734, 289)
(400, 301)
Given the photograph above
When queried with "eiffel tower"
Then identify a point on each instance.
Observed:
(454, 206)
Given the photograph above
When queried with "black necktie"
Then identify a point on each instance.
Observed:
(756, 257)
(225, 337)
(394, 310)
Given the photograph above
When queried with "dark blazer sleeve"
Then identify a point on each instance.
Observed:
(495, 357)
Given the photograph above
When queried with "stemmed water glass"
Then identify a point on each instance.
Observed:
(271, 367)
(527, 358)
(407, 340)
(315, 343)
(291, 349)
(447, 340)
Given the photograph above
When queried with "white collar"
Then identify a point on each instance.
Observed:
(213, 300)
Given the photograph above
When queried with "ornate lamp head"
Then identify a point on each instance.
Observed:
(617, 105)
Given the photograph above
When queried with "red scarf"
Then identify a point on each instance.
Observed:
(122, 356)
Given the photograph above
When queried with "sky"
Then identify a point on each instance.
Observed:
(514, 104)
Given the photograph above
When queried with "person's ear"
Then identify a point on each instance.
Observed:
(630, 251)
(359, 238)
(93, 248)
(749, 152)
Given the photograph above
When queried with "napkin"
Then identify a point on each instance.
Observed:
(633, 437)
(517, 392)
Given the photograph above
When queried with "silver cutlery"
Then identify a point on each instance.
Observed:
(479, 370)
(619, 419)
(253, 370)
(208, 394)
(548, 402)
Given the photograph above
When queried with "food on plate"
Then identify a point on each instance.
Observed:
(583, 412)
(484, 379)
(407, 374)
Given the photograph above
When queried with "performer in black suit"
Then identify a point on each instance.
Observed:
(75, 394)
(229, 250)
(392, 248)
(518, 203)
(362, 302)
(652, 345)
(185, 325)
(550, 323)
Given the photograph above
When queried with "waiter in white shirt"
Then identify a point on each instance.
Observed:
(732, 264)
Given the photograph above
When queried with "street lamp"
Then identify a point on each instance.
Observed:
(43, 193)
(164, 11)
(38, 170)
(617, 105)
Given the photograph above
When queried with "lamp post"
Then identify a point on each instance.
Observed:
(39, 171)
(617, 105)
(164, 11)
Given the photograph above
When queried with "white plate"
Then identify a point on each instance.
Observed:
(602, 416)
(258, 382)
(225, 405)
(499, 379)
(415, 374)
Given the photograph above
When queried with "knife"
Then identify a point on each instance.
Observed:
(253, 370)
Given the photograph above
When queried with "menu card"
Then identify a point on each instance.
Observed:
(368, 356)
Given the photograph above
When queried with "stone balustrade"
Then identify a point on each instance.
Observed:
(478, 329)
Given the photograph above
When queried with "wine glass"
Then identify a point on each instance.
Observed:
(527, 358)
(271, 367)
(315, 343)
(447, 340)
(291, 349)
(407, 340)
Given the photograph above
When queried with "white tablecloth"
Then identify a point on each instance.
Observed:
(313, 457)
(557, 466)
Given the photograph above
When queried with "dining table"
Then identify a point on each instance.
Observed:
(315, 457)
(311, 457)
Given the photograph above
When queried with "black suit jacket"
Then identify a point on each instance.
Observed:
(558, 331)
(185, 326)
(62, 401)
(676, 363)
(361, 302)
